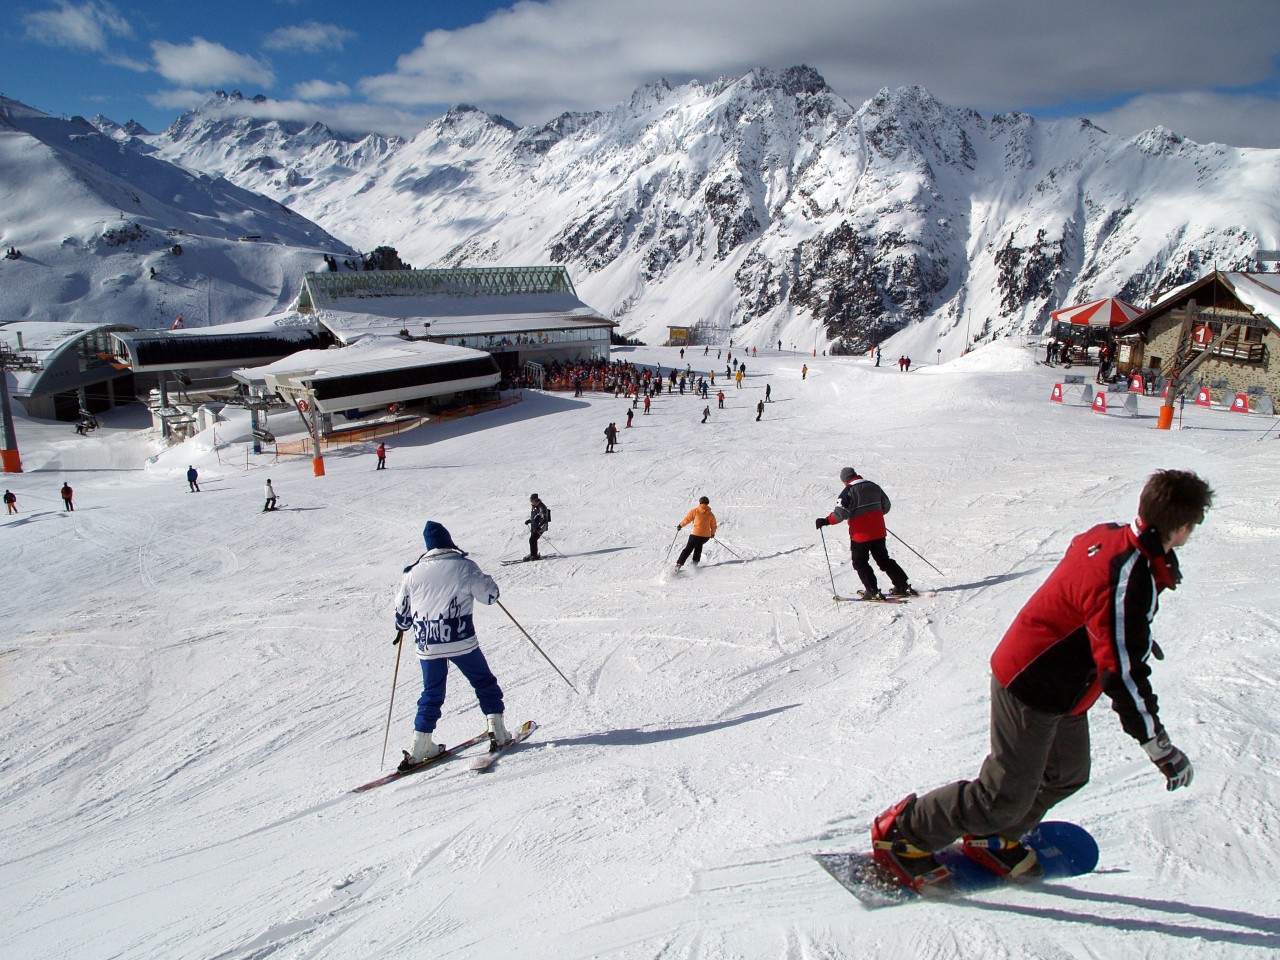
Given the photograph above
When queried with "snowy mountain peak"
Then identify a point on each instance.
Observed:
(768, 203)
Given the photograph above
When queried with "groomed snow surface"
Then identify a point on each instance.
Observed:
(191, 687)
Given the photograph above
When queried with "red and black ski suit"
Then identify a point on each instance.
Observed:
(1085, 632)
(863, 503)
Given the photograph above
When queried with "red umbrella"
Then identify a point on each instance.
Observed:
(1109, 312)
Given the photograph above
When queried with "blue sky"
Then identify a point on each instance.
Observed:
(1208, 71)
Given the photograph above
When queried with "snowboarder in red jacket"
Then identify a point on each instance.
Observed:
(1085, 632)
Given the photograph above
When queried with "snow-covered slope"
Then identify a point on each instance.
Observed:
(189, 687)
(93, 217)
(769, 202)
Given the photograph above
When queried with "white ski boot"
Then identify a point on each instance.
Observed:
(498, 736)
(423, 749)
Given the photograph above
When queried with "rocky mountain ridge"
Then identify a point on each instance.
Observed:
(769, 205)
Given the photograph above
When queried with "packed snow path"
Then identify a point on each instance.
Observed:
(191, 687)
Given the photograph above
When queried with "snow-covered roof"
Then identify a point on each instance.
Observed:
(376, 371)
(1260, 292)
(367, 356)
(47, 336)
(352, 318)
(463, 302)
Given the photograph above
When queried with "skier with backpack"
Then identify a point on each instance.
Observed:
(539, 520)
(1085, 632)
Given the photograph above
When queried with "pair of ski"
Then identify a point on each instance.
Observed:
(883, 599)
(480, 764)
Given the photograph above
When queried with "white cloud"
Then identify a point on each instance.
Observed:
(536, 59)
(309, 37)
(88, 26)
(1243, 121)
(348, 118)
(321, 90)
(185, 99)
(202, 63)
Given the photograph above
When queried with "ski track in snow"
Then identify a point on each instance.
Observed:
(190, 689)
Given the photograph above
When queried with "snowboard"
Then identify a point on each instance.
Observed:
(1062, 850)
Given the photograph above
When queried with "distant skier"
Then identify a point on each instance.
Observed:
(720, 399)
(11, 501)
(1085, 632)
(906, 364)
(804, 371)
(67, 504)
(193, 480)
(271, 498)
(759, 410)
(629, 416)
(646, 404)
(433, 609)
(704, 528)
(706, 412)
(877, 356)
(610, 436)
(382, 457)
(539, 520)
(864, 505)
(768, 394)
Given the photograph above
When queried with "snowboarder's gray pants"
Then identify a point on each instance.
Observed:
(1037, 760)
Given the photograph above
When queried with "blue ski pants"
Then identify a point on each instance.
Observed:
(435, 674)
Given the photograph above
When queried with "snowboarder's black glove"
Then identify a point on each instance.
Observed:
(1173, 763)
(821, 522)
(526, 523)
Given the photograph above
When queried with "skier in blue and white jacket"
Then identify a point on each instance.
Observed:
(433, 608)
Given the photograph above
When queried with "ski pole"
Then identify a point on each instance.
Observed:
(1269, 429)
(721, 543)
(673, 544)
(913, 550)
(553, 546)
(395, 676)
(823, 534)
(535, 646)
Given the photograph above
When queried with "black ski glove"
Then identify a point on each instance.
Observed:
(526, 523)
(1173, 763)
(821, 522)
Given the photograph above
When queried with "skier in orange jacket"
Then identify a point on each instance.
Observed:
(704, 528)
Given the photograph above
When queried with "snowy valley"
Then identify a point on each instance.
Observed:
(191, 687)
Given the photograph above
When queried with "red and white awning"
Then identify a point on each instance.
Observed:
(1109, 312)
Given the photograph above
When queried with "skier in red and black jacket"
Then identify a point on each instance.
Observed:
(1085, 632)
(863, 504)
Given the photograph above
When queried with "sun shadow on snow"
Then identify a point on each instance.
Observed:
(764, 556)
(1259, 930)
(990, 581)
(634, 737)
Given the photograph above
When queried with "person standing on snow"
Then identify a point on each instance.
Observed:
(646, 404)
(433, 609)
(759, 410)
(539, 520)
(67, 493)
(706, 412)
(864, 505)
(629, 416)
(271, 497)
(804, 371)
(768, 393)
(11, 501)
(1085, 632)
(610, 436)
(704, 528)
(382, 457)
(193, 480)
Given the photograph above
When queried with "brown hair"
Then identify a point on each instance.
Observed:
(1172, 499)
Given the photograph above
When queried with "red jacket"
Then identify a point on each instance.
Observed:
(1087, 630)
(864, 505)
